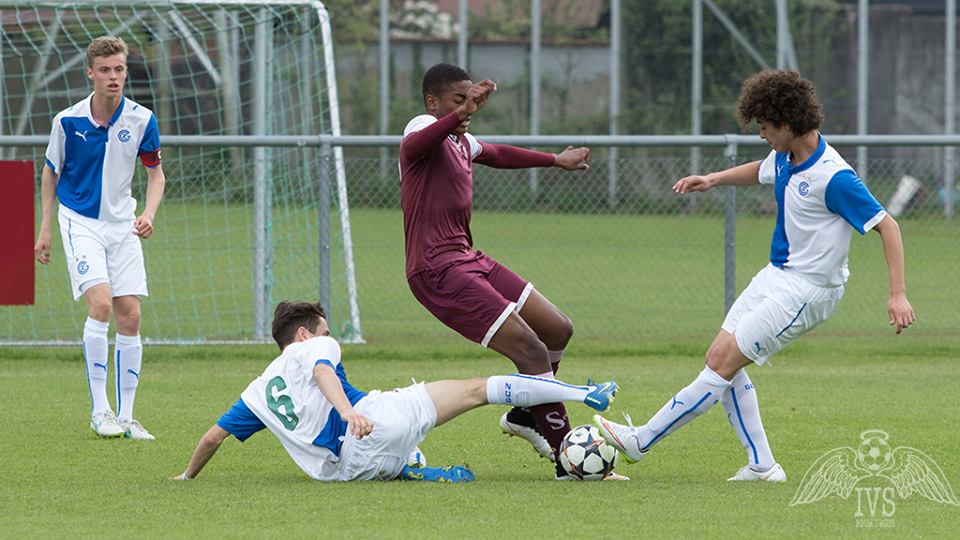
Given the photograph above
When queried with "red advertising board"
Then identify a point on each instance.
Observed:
(16, 233)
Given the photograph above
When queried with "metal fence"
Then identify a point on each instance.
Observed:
(613, 247)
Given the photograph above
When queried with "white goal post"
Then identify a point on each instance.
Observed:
(246, 222)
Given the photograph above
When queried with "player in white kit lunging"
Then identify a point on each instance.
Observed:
(93, 150)
(819, 199)
(335, 432)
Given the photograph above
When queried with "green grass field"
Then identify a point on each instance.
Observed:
(645, 295)
(61, 481)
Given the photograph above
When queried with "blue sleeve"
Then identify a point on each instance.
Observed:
(151, 137)
(848, 197)
(240, 421)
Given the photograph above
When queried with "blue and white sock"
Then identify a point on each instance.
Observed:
(528, 390)
(743, 412)
(129, 357)
(95, 356)
(695, 399)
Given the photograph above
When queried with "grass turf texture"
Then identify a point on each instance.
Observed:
(59, 480)
(620, 277)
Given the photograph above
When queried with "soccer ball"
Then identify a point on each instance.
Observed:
(874, 452)
(585, 455)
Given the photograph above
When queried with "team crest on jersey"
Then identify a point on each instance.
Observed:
(82, 267)
(803, 189)
(124, 135)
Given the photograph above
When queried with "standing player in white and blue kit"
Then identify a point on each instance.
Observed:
(335, 432)
(93, 150)
(819, 199)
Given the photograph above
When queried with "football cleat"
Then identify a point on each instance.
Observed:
(621, 437)
(746, 474)
(134, 430)
(518, 423)
(455, 474)
(105, 424)
(602, 394)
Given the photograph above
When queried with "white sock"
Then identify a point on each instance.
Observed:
(743, 412)
(528, 390)
(697, 398)
(129, 357)
(95, 355)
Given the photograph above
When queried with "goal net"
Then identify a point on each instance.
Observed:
(255, 211)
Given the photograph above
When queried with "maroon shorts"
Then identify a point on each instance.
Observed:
(474, 297)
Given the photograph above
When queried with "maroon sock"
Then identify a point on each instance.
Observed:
(554, 425)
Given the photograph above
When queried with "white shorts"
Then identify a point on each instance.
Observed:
(776, 308)
(401, 419)
(102, 252)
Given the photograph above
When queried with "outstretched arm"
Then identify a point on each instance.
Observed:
(206, 448)
(331, 388)
(898, 307)
(741, 175)
(502, 156)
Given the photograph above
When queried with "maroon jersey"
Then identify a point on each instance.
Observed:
(436, 188)
(436, 194)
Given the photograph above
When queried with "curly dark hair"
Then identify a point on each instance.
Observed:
(780, 97)
(289, 316)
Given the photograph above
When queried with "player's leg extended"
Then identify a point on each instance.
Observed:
(743, 412)
(455, 397)
(128, 359)
(95, 353)
(518, 342)
(724, 360)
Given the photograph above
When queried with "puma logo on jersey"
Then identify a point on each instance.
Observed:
(81, 135)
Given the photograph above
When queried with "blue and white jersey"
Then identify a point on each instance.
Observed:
(818, 201)
(95, 163)
(288, 401)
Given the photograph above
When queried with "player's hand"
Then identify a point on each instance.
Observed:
(359, 425)
(143, 227)
(574, 159)
(900, 312)
(692, 183)
(42, 248)
(477, 97)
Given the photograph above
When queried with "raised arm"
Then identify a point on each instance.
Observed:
(420, 143)
(898, 307)
(48, 196)
(502, 156)
(330, 386)
(156, 181)
(206, 448)
(741, 175)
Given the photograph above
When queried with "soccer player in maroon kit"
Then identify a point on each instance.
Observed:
(467, 290)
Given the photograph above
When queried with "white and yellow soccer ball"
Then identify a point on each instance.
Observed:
(585, 455)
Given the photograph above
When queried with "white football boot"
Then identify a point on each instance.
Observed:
(105, 424)
(531, 435)
(623, 438)
(134, 430)
(746, 474)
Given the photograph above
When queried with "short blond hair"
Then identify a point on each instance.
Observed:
(105, 46)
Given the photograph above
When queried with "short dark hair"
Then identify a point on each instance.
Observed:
(439, 77)
(780, 97)
(289, 316)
